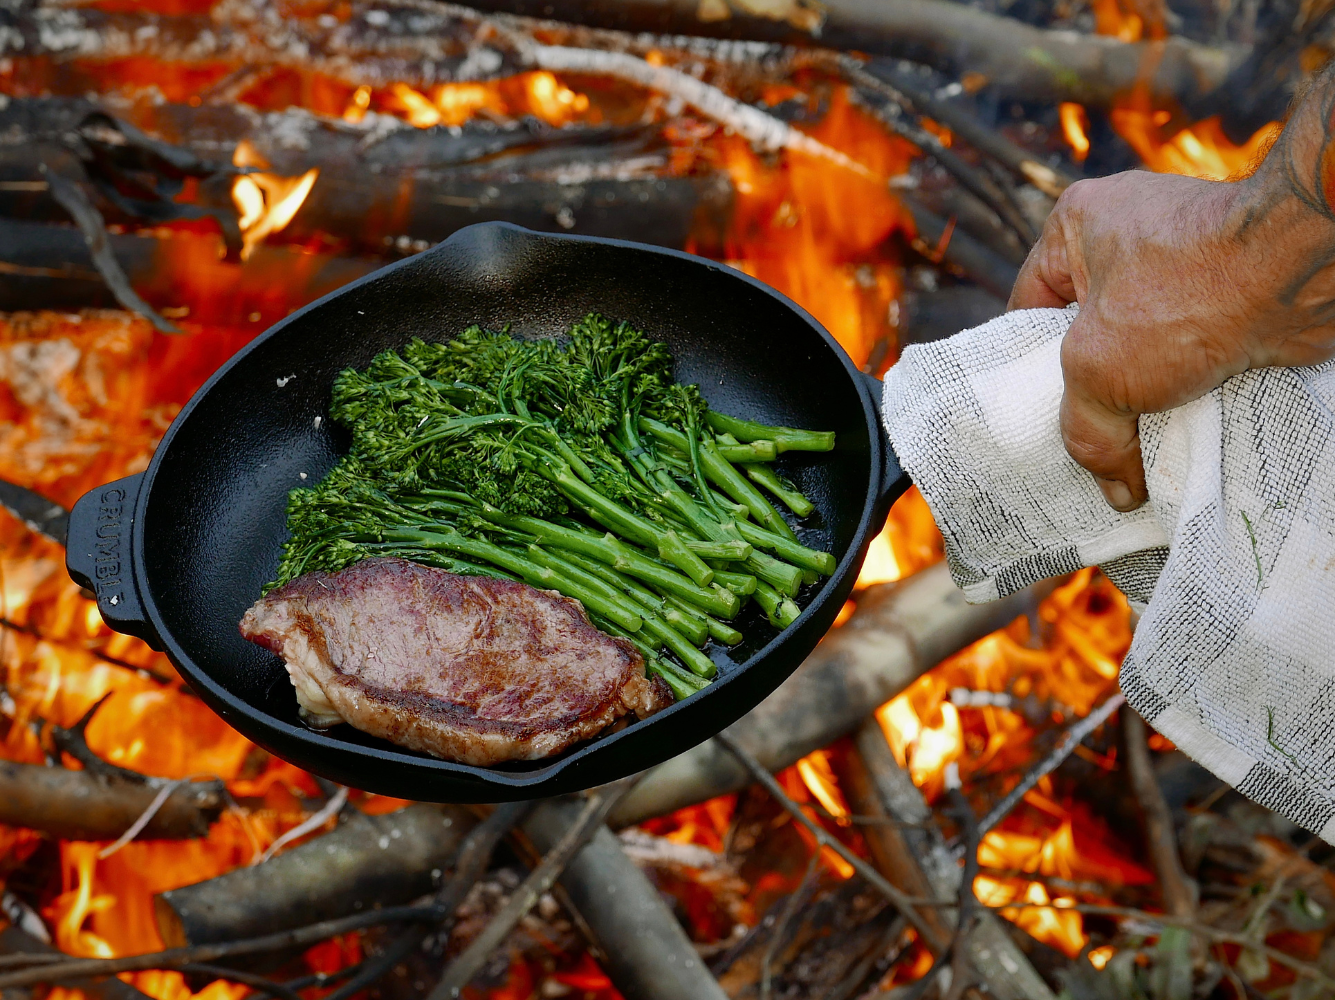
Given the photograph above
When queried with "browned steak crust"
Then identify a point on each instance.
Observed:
(467, 668)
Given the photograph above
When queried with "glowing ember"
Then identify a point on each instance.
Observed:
(265, 202)
(1098, 957)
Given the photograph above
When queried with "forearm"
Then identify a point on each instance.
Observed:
(1281, 221)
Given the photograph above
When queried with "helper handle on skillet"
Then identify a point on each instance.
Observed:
(99, 554)
(894, 480)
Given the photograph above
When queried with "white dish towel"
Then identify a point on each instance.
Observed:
(1234, 657)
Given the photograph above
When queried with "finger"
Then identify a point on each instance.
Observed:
(1101, 436)
(1045, 280)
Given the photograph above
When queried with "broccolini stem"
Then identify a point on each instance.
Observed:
(612, 515)
(730, 551)
(532, 573)
(741, 584)
(754, 451)
(768, 478)
(784, 438)
(724, 475)
(780, 611)
(694, 631)
(793, 552)
(775, 572)
(682, 683)
(610, 551)
(718, 630)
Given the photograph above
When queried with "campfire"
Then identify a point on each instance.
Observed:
(175, 176)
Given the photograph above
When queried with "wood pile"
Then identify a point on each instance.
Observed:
(944, 801)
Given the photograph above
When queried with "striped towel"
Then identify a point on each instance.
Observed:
(1232, 561)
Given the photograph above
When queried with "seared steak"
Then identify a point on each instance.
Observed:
(467, 668)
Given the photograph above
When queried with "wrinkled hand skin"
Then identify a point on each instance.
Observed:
(1183, 283)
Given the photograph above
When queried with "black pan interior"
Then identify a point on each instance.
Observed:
(214, 522)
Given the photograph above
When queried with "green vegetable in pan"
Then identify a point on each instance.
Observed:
(576, 465)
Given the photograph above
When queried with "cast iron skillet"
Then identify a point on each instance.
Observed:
(177, 553)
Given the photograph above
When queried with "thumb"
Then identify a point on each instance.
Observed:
(1100, 435)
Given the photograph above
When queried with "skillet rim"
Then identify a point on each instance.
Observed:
(247, 718)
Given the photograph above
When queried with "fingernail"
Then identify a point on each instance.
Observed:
(1117, 493)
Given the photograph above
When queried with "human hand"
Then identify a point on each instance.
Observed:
(1182, 283)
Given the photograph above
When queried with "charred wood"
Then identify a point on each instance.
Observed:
(383, 182)
(899, 631)
(884, 78)
(1016, 59)
(942, 312)
(972, 216)
(592, 818)
(367, 862)
(646, 953)
(81, 805)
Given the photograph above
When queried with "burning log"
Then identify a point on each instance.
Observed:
(1016, 59)
(425, 43)
(384, 181)
(368, 861)
(908, 848)
(81, 805)
(899, 631)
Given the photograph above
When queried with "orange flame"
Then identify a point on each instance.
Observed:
(819, 778)
(908, 543)
(265, 202)
(1196, 150)
(823, 243)
(1075, 126)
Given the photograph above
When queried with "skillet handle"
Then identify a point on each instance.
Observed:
(99, 555)
(894, 480)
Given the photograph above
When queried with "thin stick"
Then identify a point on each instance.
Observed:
(1178, 897)
(751, 123)
(462, 970)
(313, 822)
(164, 793)
(260, 984)
(901, 901)
(174, 958)
(72, 198)
(968, 901)
(879, 75)
(1072, 738)
(790, 906)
